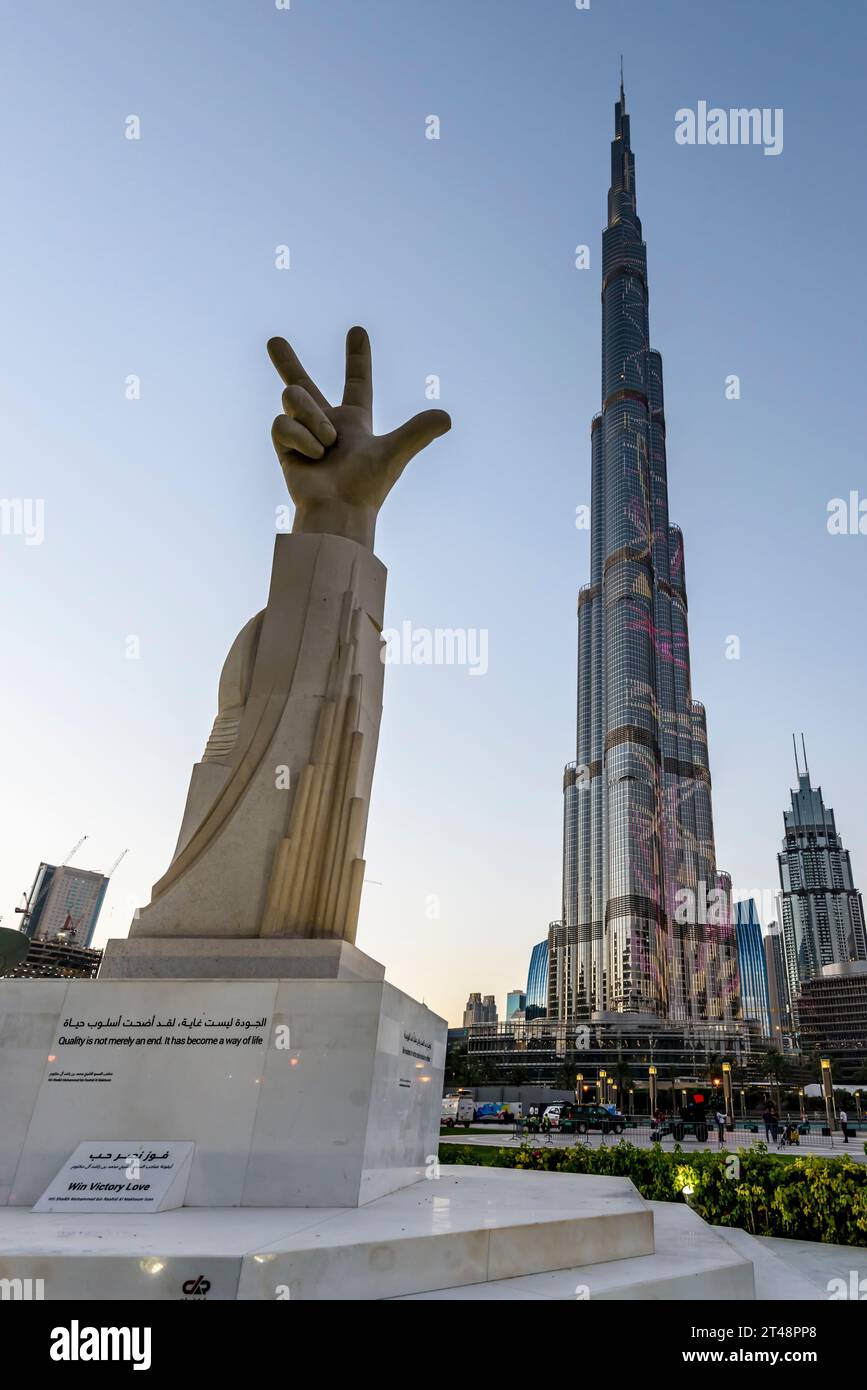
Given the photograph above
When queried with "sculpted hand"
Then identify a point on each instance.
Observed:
(337, 470)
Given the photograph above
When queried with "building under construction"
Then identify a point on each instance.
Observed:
(57, 960)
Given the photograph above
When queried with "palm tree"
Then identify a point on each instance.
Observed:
(775, 1067)
(713, 1065)
(622, 1073)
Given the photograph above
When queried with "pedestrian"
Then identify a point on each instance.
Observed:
(775, 1124)
(844, 1121)
(767, 1120)
(720, 1125)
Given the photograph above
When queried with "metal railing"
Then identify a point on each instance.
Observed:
(745, 1134)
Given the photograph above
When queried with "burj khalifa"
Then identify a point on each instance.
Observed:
(646, 926)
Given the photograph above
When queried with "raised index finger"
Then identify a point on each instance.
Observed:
(359, 371)
(291, 370)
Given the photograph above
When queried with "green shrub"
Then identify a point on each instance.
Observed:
(808, 1198)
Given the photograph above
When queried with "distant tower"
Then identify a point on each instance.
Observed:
(753, 966)
(64, 903)
(537, 982)
(516, 1002)
(820, 909)
(480, 1009)
(778, 989)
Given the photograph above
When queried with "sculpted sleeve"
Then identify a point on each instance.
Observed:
(272, 838)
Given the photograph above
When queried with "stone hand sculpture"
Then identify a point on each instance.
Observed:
(337, 470)
(272, 836)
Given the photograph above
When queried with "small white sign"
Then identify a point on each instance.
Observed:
(121, 1175)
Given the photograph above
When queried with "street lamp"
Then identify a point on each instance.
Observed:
(802, 1102)
(858, 1103)
(727, 1092)
(579, 1077)
(828, 1091)
(651, 1084)
(600, 1087)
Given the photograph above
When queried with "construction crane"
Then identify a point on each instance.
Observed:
(116, 862)
(74, 850)
(26, 912)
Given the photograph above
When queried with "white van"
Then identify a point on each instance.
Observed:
(457, 1110)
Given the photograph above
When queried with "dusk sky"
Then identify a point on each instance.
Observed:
(263, 127)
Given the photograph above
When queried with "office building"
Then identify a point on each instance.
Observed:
(516, 1002)
(537, 982)
(755, 1000)
(831, 1014)
(820, 909)
(64, 902)
(480, 1009)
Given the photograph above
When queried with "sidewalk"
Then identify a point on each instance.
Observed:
(815, 1145)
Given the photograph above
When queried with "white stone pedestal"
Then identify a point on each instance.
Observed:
(296, 1093)
(235, 958)
(462, 1234)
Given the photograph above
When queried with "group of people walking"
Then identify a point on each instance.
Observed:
(788, 1133)
(779, 1133)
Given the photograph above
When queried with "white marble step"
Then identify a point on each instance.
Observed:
(775, 1278)
(690, 1262)
(468, 1225)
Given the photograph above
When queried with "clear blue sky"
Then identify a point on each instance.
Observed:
(307, 127)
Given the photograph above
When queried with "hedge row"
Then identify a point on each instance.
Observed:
(808, 1198)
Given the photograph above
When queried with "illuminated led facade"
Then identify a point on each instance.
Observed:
(638, 826)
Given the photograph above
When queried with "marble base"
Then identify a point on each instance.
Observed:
(296, 1093)
(235, 958)
(463, 1234)
(459, 1226)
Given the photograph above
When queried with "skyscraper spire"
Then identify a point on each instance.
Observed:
(795, 746)
(806, 764)
(622, 93)
(820, 910)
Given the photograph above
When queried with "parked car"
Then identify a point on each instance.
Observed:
(578, 1119)
(554, 1114)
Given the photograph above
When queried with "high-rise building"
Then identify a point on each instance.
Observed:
(516, 1001)
(639, 863)
(480, 1010)
(831, 1011)
(64, 902)
(753, 969)
(820, 909)
(782, 1026)
(537, 982)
